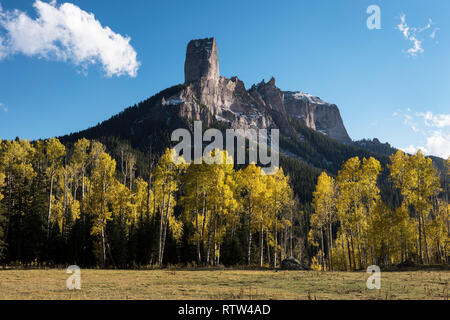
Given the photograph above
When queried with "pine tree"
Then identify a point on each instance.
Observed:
(16, 164)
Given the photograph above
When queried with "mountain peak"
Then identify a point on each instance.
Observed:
(208, 97)
(202, 60)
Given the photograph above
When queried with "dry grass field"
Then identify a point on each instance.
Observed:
(222, 284)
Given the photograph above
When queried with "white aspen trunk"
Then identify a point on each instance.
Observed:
(249, 238)
(261, 246)
(166, 221)
(49, 208)
(161, 213)
(103, 248)
(275, 250)
(323, 249)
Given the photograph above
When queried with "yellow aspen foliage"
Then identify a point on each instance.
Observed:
(119, 199)
(140, 199)
(418, 182)
(2, 184)
(102, 184)
(323, 217)
(357, 195)
(168, 173)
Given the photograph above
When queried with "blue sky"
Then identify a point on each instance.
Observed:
(320, 47)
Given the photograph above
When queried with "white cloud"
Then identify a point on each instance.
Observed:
(428, 26)
(412, 149)
(417, 48)
(67, 33)
(411, 122)
(410, 34)
(439, 144)
(3, 107)
(435, 131)
(2, 49)
(433, 34)
(403, 27)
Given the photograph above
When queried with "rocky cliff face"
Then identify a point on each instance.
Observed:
(208, 96)
(201, 60)
(316, 114)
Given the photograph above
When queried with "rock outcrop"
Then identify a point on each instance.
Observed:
(202, 60)
(317, 114)
(209, 97)
(293, 264)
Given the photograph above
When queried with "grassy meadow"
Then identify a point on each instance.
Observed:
(221, 284)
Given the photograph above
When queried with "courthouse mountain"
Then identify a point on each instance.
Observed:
(209, 96)
(223, 102)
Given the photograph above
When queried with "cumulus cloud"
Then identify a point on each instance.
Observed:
(412, 149)
(3, 107)
(410, 34)
(435, 129)
(439, 144)
(66, 33)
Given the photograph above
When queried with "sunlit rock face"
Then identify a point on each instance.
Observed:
(202, 60)
(317, 114)
(209, 97)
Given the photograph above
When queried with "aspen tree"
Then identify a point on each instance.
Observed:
(357, 195)
(194, 203)
(54, 152)
(324, 199)
(418, 183)
(251, 181)
(167, 177)
(102, 180)
(79, 161)
(280, 200)
(2, 184)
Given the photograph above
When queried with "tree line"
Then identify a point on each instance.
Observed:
(353, 228)
(77, 204)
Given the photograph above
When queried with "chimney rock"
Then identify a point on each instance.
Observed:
(201, 60)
